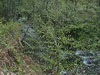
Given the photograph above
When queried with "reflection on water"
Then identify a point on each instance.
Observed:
(63, 73)
(89, 58)
(84, 53)
(90, 62)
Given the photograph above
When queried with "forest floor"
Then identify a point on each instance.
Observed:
(13, 65)
(14, 62)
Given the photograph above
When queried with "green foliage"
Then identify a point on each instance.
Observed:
(10, 28)
(60, 26)
(65, 26)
